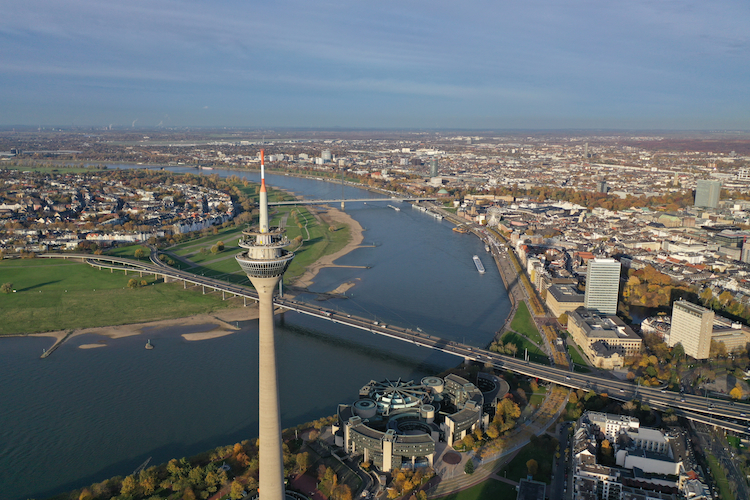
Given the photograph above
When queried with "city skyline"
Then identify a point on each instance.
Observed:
(640, 65)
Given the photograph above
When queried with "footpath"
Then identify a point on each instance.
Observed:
(537, 424)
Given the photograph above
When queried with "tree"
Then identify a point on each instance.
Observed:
(736, 393)
(563, 319)
(6, 287)
(532, 467)
(236, 490)
(129, 486)
(468, 441)
(139, 253)
(678, 352)
(303, 461)
(469, 467)
(132, 283)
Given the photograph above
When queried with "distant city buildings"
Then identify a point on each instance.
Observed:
(707, 193)
(602, 285)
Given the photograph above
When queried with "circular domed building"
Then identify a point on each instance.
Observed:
(394, 422)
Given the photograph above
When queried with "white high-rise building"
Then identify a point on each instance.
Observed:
(602, 286)
(707, 193)
(692, 326)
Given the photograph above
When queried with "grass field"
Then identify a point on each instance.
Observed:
(538, 396)
(53, 294)
(523, 324)
(317, 241)
(492, 488)
(720, 478)
(543, 452)
(128, 251)
(55, 169)
(575, 355)
(535, 354)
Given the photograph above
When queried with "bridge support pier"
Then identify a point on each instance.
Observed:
(222, 295)
(342, 204)
(244, 301)
(203, 287)
(184, 285)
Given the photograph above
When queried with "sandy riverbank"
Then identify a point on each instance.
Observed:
(355, 229)
(217, 325)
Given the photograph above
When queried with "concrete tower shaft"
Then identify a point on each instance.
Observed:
(264, 260)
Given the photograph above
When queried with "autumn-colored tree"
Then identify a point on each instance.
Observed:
(493, 432)
(736, 392)
(139, 253)
(303, 461)
(532, 466)
(148, 481)
(468, 441)
(129, 486)
(236, 490)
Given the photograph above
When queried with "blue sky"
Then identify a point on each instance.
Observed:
(544, 64)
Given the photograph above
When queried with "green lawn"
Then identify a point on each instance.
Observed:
(720, 478)
(575, 354)
(536, 355)
(735, 441)
(542, 450)
(524, 324)
(128, 251)
(53, 294)
(492, 488)
(322, 241)
(50, 169)
(537, 397)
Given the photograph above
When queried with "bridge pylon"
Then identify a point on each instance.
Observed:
(342, 204)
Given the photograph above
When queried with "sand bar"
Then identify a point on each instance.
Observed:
(355, 230)
(220, 321)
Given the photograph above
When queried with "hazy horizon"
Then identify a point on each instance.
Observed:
(581, 65)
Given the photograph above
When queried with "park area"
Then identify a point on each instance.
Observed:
(55, 294)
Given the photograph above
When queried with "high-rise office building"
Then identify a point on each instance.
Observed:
(602, 285)
(692, 326)
(707, 194)
(433, 168)
(264, 261)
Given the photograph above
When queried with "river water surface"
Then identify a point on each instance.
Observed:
(83, 415)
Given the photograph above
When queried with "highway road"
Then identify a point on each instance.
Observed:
(730, 415)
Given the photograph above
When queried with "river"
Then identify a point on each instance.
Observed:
(83, 415)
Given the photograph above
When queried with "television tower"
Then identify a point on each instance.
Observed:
(264, 261)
